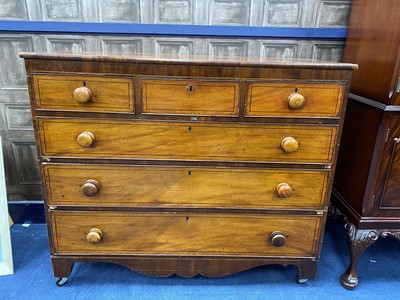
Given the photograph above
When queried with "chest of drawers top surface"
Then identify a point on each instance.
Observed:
(178, 59)
(199, 154)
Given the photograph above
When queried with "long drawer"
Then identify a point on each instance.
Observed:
(183, 234)
(186, 141)
(162, 186)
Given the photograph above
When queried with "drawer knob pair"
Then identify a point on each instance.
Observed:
(277, 239)
(289, 144)
(94, 236)
(86, 139)
(82, 94)
(90, 188)
(296, 101)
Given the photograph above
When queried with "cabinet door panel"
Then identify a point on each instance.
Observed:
(388, 186)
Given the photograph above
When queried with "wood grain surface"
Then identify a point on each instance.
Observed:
(156, 186)
(271, 99)
(215, 172)
(373, 42)
(193, 97)
(110, 94)
(187, 141)
(183, 234)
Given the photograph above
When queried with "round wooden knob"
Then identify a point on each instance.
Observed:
(277, 239)
(85, 139)
(94, 236)
(296, 101)
(82, 94)
(289, 144)
(90, 188)
(284, 190)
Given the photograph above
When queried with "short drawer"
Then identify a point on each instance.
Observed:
(187, 141)
(84, 93)
(163, 186)
(269, 99)
(132, 233)
(190, 97)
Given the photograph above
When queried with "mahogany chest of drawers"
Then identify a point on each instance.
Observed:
(186, 166)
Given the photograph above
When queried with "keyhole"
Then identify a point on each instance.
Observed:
(187, 219)
(84, 83)
(189, 173)
(189, 128)
(296, 89)
(190, 88)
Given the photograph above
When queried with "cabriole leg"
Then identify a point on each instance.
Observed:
(359, 241)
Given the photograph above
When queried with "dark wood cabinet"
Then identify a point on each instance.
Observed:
(367, 181)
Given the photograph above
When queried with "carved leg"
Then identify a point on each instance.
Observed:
(359, 241)
(392, 234)
(306, 270)
(333, 212)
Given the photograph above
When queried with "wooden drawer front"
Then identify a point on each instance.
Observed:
(183, 234)
(109, 94)
(271, 99)
(182, 186)
(187, 141)
(190, 97)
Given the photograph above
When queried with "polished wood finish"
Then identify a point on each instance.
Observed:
(187, 184)
(373, 42)
(190, 141)
(83, 93)
(190, 97)
(184, 234)
(186, 266)
(359, 241)
(366, 181)
(293, 99)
